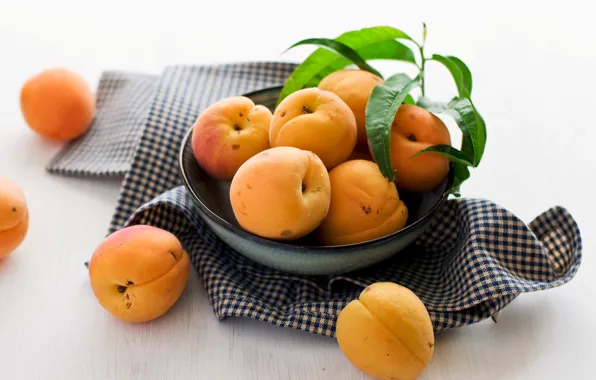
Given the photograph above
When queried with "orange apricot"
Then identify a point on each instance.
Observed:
(413, 130)
(14, 217)
(317, 121)
(281, 193)
(229, 132)
(138, 273)
(387, 332)
(364, 205)
(57, 104)
(354, 88)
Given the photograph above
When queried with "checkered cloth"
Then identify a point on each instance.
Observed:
(474, 259)
(122, 101)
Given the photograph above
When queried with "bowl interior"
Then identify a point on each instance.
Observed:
(213, 195)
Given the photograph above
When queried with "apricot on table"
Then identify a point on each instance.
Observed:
(57, 104)
(317, 121)
(413, 130)
(354, 87)
(364, 205)
(387, 332)
(14, 217)
(139, 272)
(229, 132)
(282, 193)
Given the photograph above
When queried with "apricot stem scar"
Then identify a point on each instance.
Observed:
(305, 109)
(174, 256)
(121, 289)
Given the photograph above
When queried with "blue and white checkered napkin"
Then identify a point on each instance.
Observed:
(475, 258)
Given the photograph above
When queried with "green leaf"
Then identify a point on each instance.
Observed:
(341, 49)
(380, 112)
(390, 49)
(370, 43)
(378, 33)
(387, 49)
(481, 135)
(430, 105)
(460, 174)
(462, 111)
(397, 82)
(409, 100)
(456, 73)
(466, 73)
(450, 152)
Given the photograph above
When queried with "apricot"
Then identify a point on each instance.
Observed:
(57, 104)
(139, 272)
(282, 193)
(14, 217)
(413, 130)
(229, 132)
(354, 88)
(317, 121)
(364, 205)
(387, 332)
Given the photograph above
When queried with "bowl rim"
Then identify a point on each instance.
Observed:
(258, 239)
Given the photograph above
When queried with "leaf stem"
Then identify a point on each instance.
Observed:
(423, 61)
(422, 58)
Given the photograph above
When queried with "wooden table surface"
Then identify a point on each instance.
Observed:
(534, 82)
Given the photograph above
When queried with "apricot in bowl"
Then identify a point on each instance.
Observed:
(304, 254)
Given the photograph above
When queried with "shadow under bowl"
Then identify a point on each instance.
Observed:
(304, 256)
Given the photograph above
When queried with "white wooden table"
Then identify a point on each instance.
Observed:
(534, 82)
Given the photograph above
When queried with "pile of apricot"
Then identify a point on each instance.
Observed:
(307, 168)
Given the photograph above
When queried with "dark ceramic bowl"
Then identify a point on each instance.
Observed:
(304, 256)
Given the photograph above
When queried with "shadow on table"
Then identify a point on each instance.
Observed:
(4, 264)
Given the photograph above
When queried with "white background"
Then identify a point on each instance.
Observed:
(533, 67)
